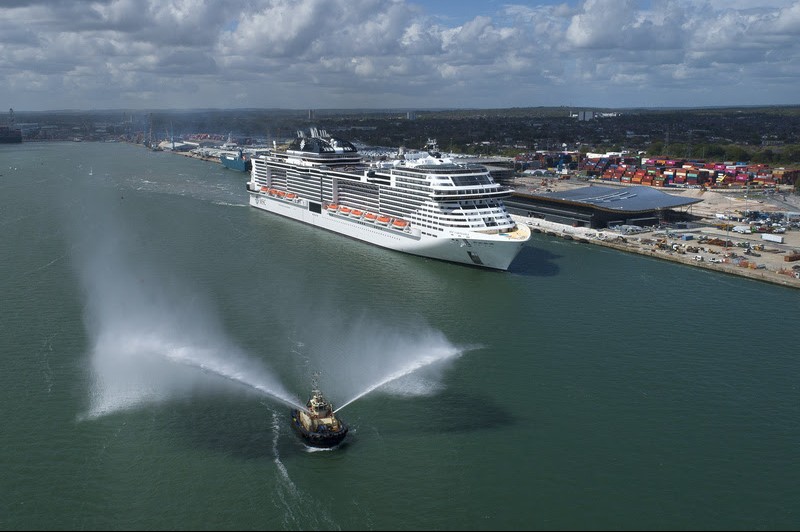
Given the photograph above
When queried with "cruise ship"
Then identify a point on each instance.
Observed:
(419, 203)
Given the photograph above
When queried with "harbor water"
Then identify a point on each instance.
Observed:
(157, 331)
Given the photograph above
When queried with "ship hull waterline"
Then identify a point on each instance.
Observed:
(497, 253)
(237, 164)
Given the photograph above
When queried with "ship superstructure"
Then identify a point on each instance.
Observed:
(10, 134)
(317, 424)
(236, 160)
(418, 203)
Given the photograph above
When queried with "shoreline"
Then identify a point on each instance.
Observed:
(646, 244)
(652, 244)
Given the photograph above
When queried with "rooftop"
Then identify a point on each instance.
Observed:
(629, 199)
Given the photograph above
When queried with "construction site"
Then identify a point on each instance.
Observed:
(753, 234)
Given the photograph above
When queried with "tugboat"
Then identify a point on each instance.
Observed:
(318, 425)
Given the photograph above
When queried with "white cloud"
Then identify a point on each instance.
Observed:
(352, 53)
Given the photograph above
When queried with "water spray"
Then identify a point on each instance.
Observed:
(406, 370)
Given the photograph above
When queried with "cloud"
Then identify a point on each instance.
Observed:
(396, 53)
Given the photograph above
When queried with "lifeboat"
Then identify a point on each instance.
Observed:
(344, 210)
(280, 193)
(399, 224)
(332, 207)
(383, 220)
(317, 424)
(272, 192)
(291, 195)
(264, 189)
(370, 217)
(355, 213)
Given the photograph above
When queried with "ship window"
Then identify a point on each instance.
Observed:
(466, 180)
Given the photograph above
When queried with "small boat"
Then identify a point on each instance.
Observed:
(291, 195)
(355, 213)
(332, 207)
(370, 217)
(344, 210)
(317, 425)
(383, 220)
(399, 224)
(264, 189)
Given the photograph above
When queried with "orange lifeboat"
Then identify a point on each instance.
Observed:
(370, 217)
(280, 193)
(291, 195)
(356, 213)
(264, 189)
(383, 220)
(344, 210)
(399, 224)
(332, 207)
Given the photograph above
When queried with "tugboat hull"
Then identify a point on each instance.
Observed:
(324, 437)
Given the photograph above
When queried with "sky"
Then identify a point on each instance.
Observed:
(398, 54)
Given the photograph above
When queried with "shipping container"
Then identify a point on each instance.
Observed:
(772, 238)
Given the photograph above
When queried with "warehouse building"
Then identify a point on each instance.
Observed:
(599, 207)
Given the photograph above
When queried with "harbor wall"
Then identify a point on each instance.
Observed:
(779, 272)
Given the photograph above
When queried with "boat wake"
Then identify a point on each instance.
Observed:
(200, 187)
(289, 497)
(276, 431)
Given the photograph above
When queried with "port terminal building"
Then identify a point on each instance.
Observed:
(599, 207)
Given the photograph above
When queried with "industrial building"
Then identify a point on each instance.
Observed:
(599, 207)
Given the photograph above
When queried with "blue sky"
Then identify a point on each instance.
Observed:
(300, 54)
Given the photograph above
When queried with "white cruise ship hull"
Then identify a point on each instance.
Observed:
(495, 251)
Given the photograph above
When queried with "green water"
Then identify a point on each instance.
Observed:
(155, 330)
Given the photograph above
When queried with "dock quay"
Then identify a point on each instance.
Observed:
(708, 242)
(770, 266)
(704, 247)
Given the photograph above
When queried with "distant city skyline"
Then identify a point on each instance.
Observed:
(348, 54)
